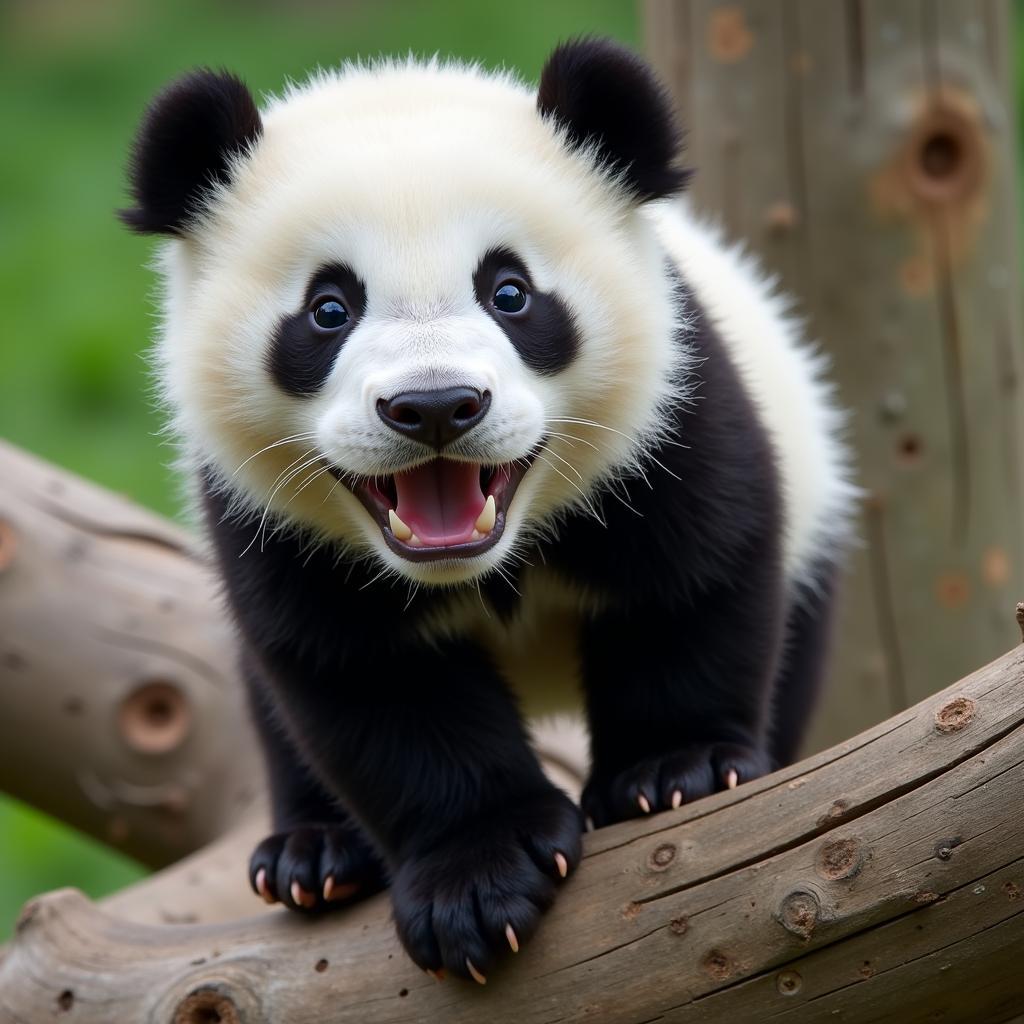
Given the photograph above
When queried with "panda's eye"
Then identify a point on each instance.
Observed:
(510, 298)
(330, 314)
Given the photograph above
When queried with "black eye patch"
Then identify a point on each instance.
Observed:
(541, 329)
(306, 342)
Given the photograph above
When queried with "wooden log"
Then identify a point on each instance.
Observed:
(866, 151)
(881, 880)
(121, 711)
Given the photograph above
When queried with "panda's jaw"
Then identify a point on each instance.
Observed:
(442, 509)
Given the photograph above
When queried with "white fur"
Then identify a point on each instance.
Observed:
(785, 378)
(408, 173)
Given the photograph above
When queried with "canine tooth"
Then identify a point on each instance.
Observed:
(398, 528)
(485, 522)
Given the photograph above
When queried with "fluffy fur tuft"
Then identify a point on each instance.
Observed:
(607, 98)
(189, 137)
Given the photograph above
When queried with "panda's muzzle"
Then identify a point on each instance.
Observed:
(441, 509)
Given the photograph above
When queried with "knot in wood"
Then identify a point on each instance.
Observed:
(788, 983)
(944, 847)
(955, 715)
(798, 913)
(155, 718)
(718, 965)
(836, 811)
(729, 37)
(840, 858)
(947, 156)
(206, 1006)
(662, 856)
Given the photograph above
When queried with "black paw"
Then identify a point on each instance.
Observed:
(315, 867)
(480, 893)
(670, 780)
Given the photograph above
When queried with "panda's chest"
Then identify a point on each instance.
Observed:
(537, 648)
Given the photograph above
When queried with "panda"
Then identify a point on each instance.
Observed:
(467, 390)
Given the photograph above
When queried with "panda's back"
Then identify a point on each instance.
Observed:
(784, 377)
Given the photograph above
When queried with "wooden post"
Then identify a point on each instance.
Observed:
(865, 149)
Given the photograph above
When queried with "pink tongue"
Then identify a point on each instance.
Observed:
(441, 501)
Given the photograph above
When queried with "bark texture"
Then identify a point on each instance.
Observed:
(116, 657)
(866, 151)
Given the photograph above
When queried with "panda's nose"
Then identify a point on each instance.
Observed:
(435, 418)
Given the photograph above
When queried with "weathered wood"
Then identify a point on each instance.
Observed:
(866, 150)
(883, 878)
(114, 651)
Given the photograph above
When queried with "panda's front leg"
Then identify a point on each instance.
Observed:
(678, 699)
(316, 858)
(427, 748)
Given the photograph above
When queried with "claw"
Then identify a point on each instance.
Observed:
(437, 975)
(474, 973)
(732, 779)
(301, 897)
(644, 803)
(262, 888)
(561, 863)
(513, 939)
(588, 823)
(677, 799)
(333, 891)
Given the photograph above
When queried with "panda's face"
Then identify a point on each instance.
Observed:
(417, 323)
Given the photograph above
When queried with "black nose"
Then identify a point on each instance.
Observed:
(435, 417)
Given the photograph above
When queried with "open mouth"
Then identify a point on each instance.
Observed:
(442, 508)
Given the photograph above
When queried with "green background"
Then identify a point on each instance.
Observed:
(74, 290)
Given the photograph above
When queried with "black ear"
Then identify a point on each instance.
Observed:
(184, 145)
(606, 95)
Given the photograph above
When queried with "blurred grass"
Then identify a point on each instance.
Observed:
(74, 77)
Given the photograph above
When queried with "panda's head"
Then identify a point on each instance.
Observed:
(415, 307)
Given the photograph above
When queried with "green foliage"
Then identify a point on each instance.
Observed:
(74, 77)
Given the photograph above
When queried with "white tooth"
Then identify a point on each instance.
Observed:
(485, 522)
(398, 528)
(476, 535)
(414, 541)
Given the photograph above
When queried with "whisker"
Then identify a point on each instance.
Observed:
(304, 436)
(572, 483)
(261, 527)
(633, 440)
(375, 578)
(566, 462)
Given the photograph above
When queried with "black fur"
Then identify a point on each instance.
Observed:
(185, 144)
(543, 333)
(808, 642)
(300, 356)
(422, 743)
(606, 95)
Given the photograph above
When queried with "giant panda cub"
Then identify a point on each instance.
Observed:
(451, 361)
